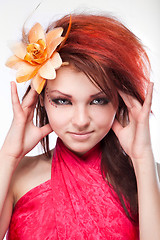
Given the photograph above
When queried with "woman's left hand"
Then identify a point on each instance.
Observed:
(135, 137)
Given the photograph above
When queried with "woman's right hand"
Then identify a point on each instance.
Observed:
(23, 135)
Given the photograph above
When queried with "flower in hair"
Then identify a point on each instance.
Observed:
(38, 59)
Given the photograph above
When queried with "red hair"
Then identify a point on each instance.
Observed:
(106, 47)
(115, 59)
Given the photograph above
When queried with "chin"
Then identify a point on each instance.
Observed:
(80, 148)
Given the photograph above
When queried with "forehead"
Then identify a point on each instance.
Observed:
(69, 80)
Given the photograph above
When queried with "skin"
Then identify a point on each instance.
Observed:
(73, 115)
(80, 130)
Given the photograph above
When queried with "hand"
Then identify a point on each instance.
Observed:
(135, 137)
(23, 135)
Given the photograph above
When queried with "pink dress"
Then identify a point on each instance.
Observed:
(75, 204)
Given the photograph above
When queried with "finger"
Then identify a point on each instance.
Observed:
(130, 101)
(30, 99)
(15, 99)
(148, 100)
(116, 127)
(45, 130)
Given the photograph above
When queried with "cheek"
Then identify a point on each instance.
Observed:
(57, 118)
(105, 118)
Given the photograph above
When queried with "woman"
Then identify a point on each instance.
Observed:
(100, 181)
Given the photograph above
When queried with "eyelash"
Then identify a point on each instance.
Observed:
(58, 101)
(101, 101)
(63, 101)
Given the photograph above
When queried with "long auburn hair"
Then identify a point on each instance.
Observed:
(115, 59)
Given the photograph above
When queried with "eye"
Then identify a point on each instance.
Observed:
(100, 101)
(61, 101)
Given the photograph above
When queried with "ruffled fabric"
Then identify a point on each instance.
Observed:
(75, 204)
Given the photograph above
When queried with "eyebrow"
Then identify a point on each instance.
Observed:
(69, 96)
(97, 94)
(64, 94)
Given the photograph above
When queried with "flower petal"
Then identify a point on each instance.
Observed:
(13, 62)
(36, 33)
(53, 45)
(33, 61)
(19, 49)
(41, 43)
(28, 58)
(26, 72)
(38, 83)
(56, 60)
(55, 33)
(47, 71)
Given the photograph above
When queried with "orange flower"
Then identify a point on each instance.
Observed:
(39, 59)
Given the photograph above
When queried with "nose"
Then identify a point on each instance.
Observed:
(81, 118)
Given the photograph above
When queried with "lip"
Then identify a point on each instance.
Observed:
(81, 135)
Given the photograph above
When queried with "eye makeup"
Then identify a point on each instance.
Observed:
(49, 99)
(60, 99)
(100, 101)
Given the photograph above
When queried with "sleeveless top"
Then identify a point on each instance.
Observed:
(75, 204)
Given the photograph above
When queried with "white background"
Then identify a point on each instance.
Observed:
(140, 16)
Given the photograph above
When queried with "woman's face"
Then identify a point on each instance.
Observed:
(78, 112)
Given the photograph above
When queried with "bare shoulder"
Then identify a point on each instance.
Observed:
(31, 172)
